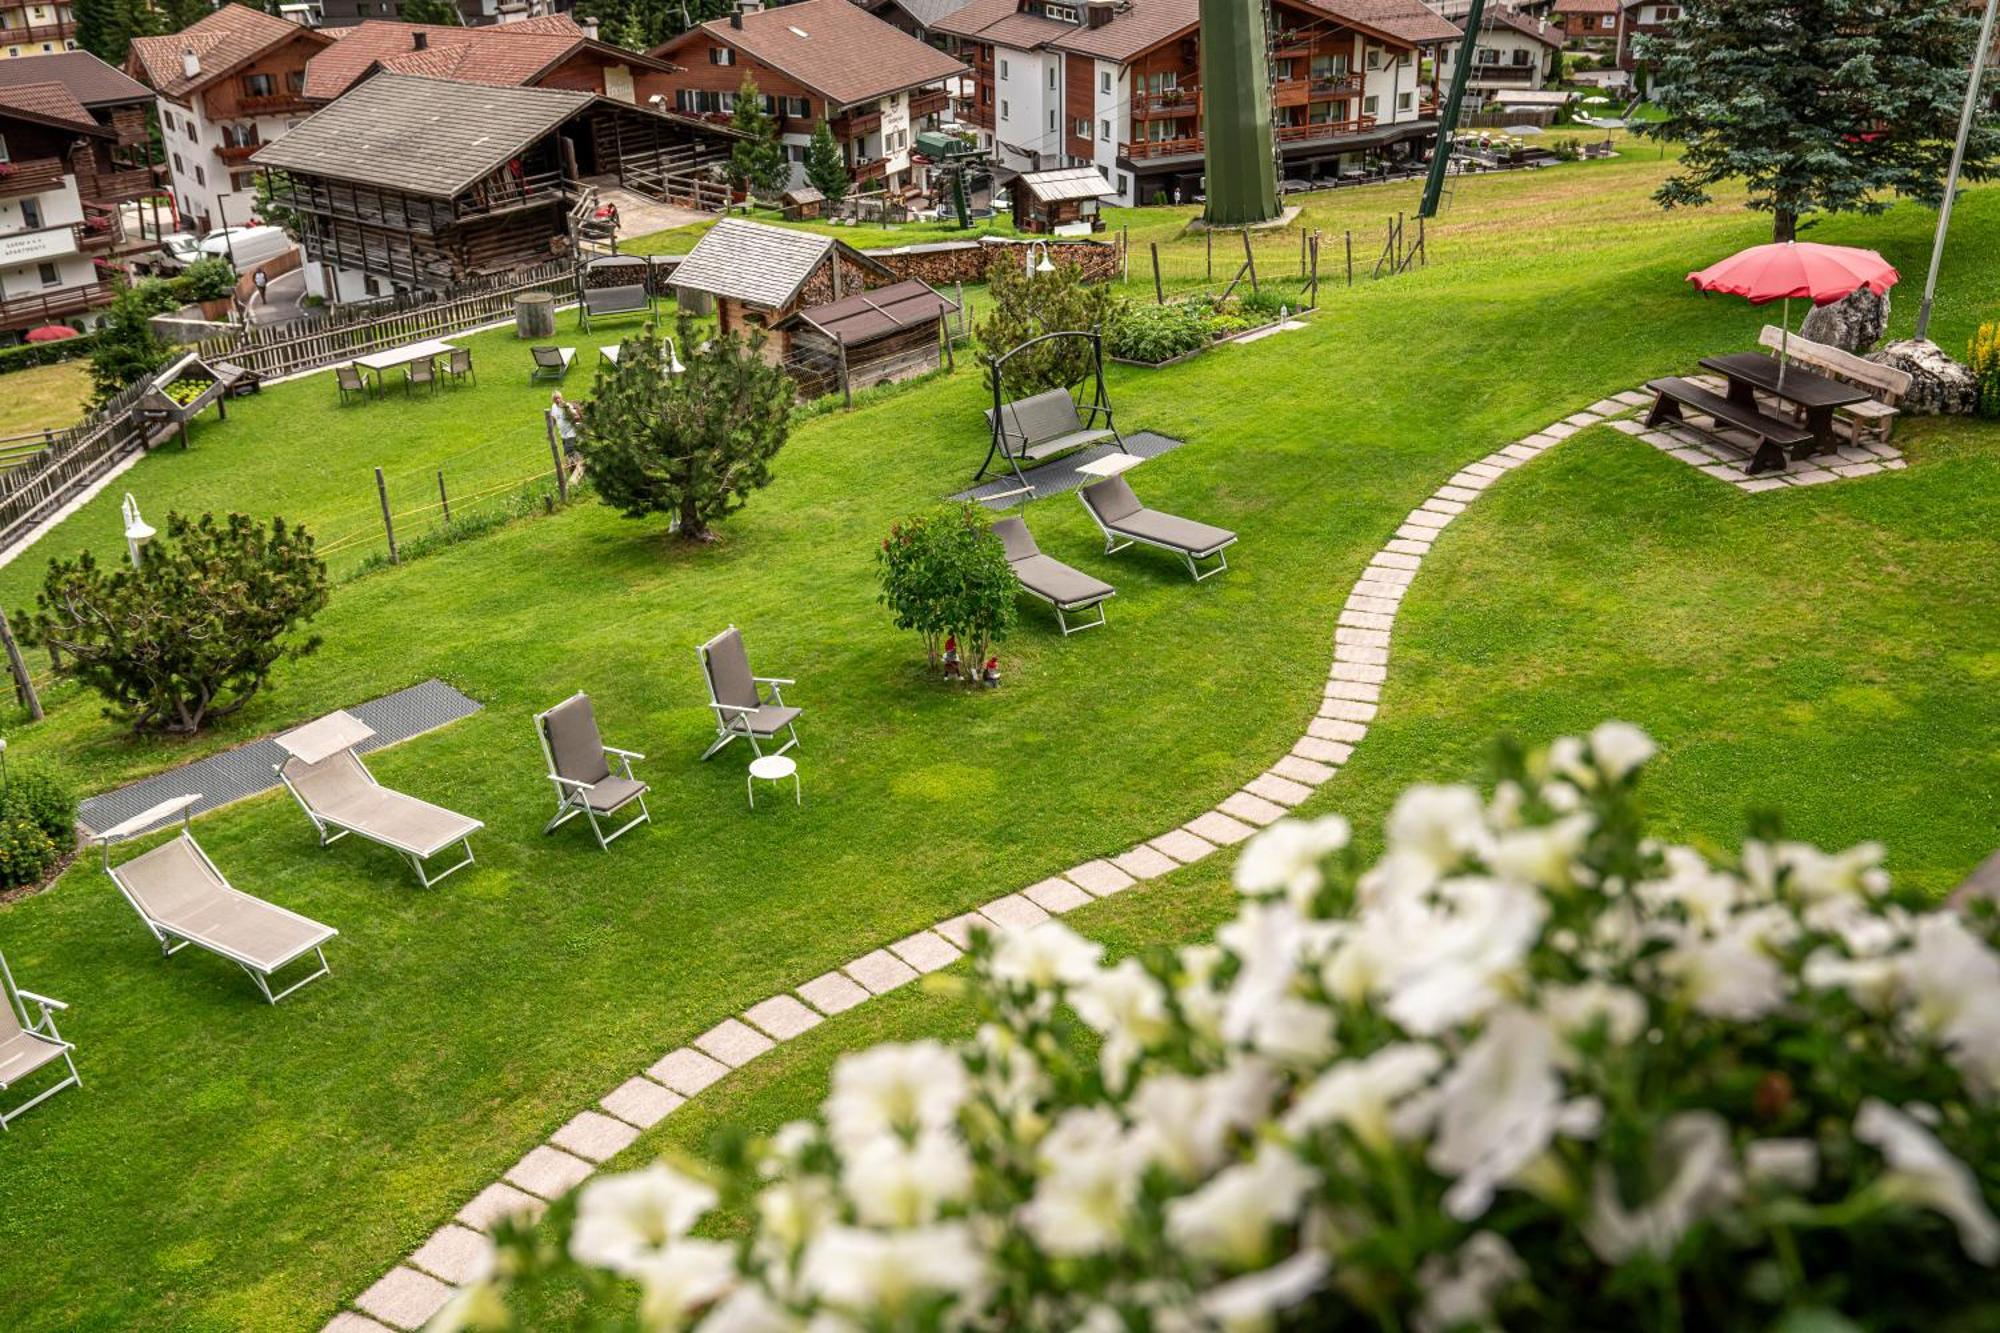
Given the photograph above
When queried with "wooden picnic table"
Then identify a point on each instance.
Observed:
(1816, 396)
(429, 349)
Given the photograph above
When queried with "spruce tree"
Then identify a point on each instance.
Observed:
(824, 168)
(756, 162)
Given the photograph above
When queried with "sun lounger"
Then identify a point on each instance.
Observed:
(183, 899)
(550, 363)
(1124, 520)
(580, 768)
(1048, 578)
(28, 1044)
(341, 796)
(741, 708)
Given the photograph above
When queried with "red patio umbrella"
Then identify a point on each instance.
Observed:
(50, 333)
(1782, 270)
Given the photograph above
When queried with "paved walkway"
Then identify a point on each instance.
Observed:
(457, 1252)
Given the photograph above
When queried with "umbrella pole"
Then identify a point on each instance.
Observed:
(1784, 341)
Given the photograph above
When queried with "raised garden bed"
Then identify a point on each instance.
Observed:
(178, 394)
(1155, 336)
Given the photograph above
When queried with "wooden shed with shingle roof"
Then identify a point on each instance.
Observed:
(760, 276)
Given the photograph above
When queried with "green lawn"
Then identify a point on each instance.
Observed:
(43, 397)
(229, 1165)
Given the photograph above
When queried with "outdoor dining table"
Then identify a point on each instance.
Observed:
(1814, 395)
(429, 349)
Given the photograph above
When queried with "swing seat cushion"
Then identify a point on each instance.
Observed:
(1046, 424)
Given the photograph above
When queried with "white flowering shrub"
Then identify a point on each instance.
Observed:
(1528, 1070)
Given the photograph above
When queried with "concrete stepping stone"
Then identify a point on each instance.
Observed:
(642, 1103)
(1324, 750)
(1630, 426)
(1277, 790)
(1293, 768)
(1182, 845)
(959, 929)
(1056, 894)
(1449, 508)
(404, 1298)
(1483, 469)
(1393, 560)
(1756, 484)
(1811, 476)
(1522, 451)
(1857, 469)
(1219, 828)
(1634, 398)
(1366, 638)
(1605, 407)
(500, 1200)
(1367, 673)
(1562, 430)
(1013, 912)
(880, 971)
(1338, 729)
(1354, 652)
(926, 951)
(1367, 620)
(1356, 691)
(548, 1172)
(1407, 545)
(1251, 809)
(349, 1322)
(1380, 590)
(781, 1017)
(455, 1254)
(1419, 534)
(832, 993)
(1462, 494)
(732, 1042)
(1144, 862)
(594, 1136)
(1098, 877)
(687, 1071)
(1348, 710)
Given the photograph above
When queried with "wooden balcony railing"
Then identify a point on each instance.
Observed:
(1167, 103)
(928, 101)
(45, 307)
(1150, 148)
(869, 171)
(272, 104)
(37, 32)
(237, 152)
(1498, 73)
(119, 186)
(852, 125)
(31, 176)
(1188, 145)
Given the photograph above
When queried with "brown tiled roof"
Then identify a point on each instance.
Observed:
(1407, 21)
(89, 80)
(1548, 34)
(222, 42)
(50, 103)
(1133, 31)
(834, 47)
(503, 54)
(1002, 23)
(1586, 6)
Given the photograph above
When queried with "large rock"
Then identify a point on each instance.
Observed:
(1939, 386)
(1854, 323)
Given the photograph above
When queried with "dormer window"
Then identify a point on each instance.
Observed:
(1060, 13)
(258, 85)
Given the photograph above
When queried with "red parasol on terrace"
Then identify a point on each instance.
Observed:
(1807, 270)
(50, 333)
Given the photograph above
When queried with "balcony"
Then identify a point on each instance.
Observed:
(273, 104)
(31, 176)
(863, 172)
(117, 186)
(1152, 148)
(1167, 103)
(1298, 92)
(1190, 145)
(928, 102)
(854, 124)
(1510, 75)
(37, 32)
(18, 312)
(237, 152)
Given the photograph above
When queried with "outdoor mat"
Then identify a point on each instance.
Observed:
(235, 774)
(1061, 476)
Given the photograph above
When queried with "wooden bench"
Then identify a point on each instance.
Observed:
(1867, 421)
(631, 299)
(1774, 435)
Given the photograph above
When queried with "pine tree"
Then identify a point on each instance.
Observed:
(442, 13)
(1818, 105)
(824, 168)
(105, 28)
(757, 162)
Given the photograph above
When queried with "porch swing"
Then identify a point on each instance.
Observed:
(1055, 421)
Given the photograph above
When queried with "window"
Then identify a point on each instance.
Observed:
(799, 108)
(4, 155)
(188, 125)
(1052, 76)
(1104, 82)
(1124, 183)
(721, 55)
(179, 170)
(243, 180)
(1079, 129)
(258, 85)
(1370, 105)
(1608, 21)
(1003, 69)
(1052, 120)
(50, 275)
(1486, 55)
(167, 117)
(295, 81)
(31, 213)
(1374, 57)
(1104, 130)
(1522, 57)
(1330, 67)
(1003, 108)
(199, 179)
(1060, 13)
(1404, 101)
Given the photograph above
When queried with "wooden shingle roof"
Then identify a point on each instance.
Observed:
(759, 264)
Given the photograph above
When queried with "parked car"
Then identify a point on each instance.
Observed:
(247, 247)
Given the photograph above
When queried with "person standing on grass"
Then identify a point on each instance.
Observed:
(563, 418)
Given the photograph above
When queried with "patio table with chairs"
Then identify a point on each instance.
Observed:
(413, 355)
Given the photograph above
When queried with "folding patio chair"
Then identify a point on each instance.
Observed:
(341, 796)
(28, 1043)
(741, 710)
(1123, 519)
(422, 371)
(580, 768)
(183, 899)
(459, 366)
(349, 379)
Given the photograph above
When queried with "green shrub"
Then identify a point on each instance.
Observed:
(1228, 326)
(945, 574)
(26, 852)
(39, 795)
(1023, 305)
(209, 279)
(1156, 333)
(26, 355)
(1267, 302)
(1983, 357)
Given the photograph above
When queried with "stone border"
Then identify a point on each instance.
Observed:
(408, 1295)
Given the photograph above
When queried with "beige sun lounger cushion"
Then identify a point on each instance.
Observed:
(340, 792)
(1045, 576)
(1119, 510)
(183, 895)
(21, 1052)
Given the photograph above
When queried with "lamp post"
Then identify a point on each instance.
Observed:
(1045, 266)
(137, 530)
(1965, 116)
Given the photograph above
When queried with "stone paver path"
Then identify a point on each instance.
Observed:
(1704, 455)
(411, 1293)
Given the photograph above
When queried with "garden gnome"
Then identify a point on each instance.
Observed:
(951, 655)
(990, 675)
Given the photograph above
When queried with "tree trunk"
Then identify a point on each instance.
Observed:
(1784, 225)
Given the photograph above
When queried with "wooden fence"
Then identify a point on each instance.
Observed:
(41, 478)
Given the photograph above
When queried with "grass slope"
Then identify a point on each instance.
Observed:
(239, 1166)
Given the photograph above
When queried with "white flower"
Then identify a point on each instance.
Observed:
(1184, 1123)
(1267, 939)
(792, 1212)
(1871, 983)
(1729, 976)
(1693, 1154)
(1090, 1173)
(1229, 1220)
(1545, 855)
(1248, 1302)
(1363, 1095)
(1705, 894)
(1128, 1007)
(676, 1281)
(625, 1220)
(1817, 875)
(894, 1089)
(1285, 857)
(871, 1271)
(1499, 1108)
(1459, 1291)
(1466, 957)
(1953, 984)
(1922, 1174)
(1431, 831)
(1576, 1009)
(893, 1183)
(1201, 1003)
(1044, 956)
(748, 1310)
(478, 1305)
(1619, 748)
(1790, 1164)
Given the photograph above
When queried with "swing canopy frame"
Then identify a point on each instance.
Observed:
(1054, 421)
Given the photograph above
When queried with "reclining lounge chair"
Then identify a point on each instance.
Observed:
(341, 796)
(183, 899)
(580, 768)
(1050, 579)
(741, 710)
(1124, 520)
(28, 1044)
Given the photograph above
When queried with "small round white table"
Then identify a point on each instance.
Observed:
(772, 768)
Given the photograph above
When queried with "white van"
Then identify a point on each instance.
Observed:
(247, 247)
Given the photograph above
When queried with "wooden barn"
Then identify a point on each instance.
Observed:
(873, 337)
(415, 184)
(761, 276)
(1062, 199)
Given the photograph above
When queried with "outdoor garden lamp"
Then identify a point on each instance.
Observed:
(1045, 266)
(137, 530)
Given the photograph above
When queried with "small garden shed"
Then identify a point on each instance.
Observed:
(890, 333)
(1063, 199)
(761, 276)
(802, 204)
